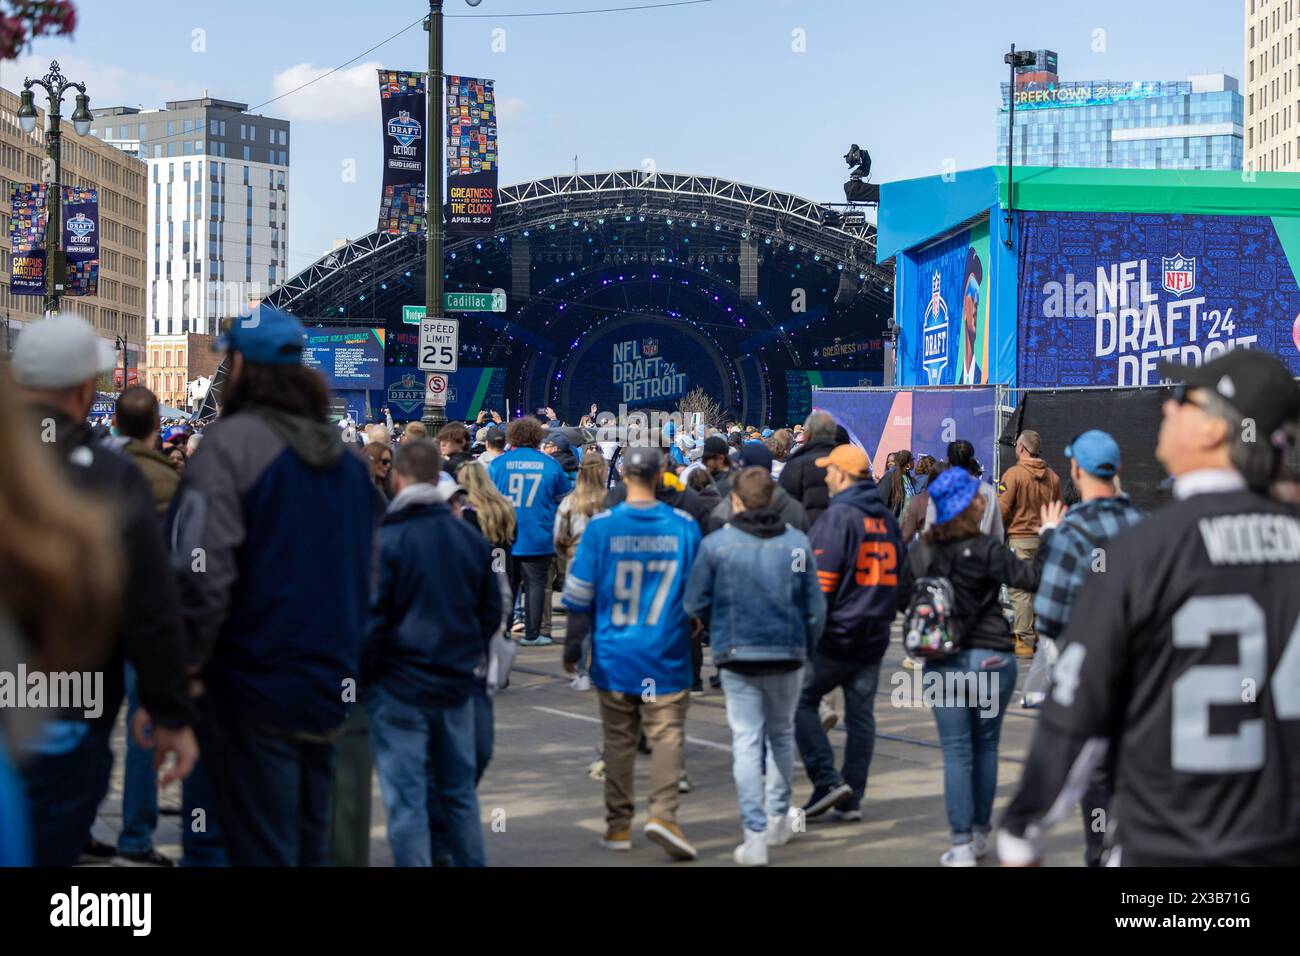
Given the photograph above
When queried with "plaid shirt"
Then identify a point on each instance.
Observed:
(1068, 556)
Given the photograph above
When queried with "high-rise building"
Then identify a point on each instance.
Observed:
(1182, 124)
(1272, 85)
(218, 207)
(117, 309)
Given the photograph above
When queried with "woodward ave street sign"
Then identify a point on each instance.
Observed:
(459, 302)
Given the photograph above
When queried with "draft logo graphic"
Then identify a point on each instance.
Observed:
(81, 225)
(407, 394)
(934, 333)
(405, 128)
(649, 347)
(1179, 274)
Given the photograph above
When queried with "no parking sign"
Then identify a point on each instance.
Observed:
(435, 389)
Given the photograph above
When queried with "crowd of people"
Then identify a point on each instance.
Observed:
(288, 605)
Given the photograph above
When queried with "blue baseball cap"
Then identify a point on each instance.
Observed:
(267, 335)
(952, 492)
(754, 454)
(768, 433)
(1096, 452)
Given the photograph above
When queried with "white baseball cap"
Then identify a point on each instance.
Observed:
(60, 352)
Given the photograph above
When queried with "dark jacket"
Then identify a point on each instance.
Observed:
(285, 519)
(435, 608)
(157, 469)
(455, 460)
(791, 512)
(977, 567)
(682, 499)
(805, 482)
(149, 633)
(569, 462)
(856, 545)
(758, 603)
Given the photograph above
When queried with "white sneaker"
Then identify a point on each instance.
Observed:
(961, 855)
(753, 852)
(581, 682)
(780, 827)
(981, 841)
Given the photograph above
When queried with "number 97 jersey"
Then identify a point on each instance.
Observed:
(630, 572)
(1184, 653)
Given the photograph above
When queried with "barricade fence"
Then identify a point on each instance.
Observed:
(924, 420)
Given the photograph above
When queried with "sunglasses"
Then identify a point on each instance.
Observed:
(385, 461)
(1182, 395)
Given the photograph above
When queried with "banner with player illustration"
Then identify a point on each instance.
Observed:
(949, 309)
(471, 156)
(404, 110)
(1105, 297)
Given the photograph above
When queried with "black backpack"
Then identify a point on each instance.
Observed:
(931, 628)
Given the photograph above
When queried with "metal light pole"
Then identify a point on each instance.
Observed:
(55, 85)
(1013, 60)
(121, 344)
(433, 417)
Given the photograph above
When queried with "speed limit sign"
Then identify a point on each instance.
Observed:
(439, 345)
(435, 389)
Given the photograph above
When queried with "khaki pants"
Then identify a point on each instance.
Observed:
(1022, 602)
(624, 716)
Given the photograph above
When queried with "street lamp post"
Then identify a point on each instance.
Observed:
(55, 85)
(1013, 60)
(433, 417)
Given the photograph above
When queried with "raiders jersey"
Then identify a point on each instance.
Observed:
(1186, 668)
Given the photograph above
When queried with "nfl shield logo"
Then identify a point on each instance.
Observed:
(649, 346)
(1180, 274)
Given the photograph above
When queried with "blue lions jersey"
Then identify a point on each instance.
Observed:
(534, 483)
(630, 572)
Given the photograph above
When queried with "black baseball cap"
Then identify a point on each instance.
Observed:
(642, 461)
(715, 445)
(1255, 383)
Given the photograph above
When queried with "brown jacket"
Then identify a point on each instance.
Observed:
(1024, 488)
(158, 470)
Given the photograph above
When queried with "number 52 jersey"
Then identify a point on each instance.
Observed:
(1183, 658)
(630, 572)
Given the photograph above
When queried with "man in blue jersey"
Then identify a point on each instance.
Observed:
(629, 574)
(534, 483)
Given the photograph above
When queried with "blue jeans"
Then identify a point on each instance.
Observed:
(439, 826)
(200, 847)
(63, 795)
(139, 784)
(761, 709)
(271, 789)
(426, 758)
(822, 675)
(969, 731)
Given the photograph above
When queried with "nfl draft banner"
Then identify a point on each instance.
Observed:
(1105, 297)
(402, 102)
(953, 307)
(27, 238)
(471, 156)
(81, 240)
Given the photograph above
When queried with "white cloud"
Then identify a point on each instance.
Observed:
(510, 108)
(106, 85)
(348, 96)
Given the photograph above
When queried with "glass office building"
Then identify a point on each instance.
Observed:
(1187, 124)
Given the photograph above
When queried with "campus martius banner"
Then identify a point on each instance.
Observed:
(1104, 297)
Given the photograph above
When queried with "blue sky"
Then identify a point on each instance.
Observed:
(716, 88)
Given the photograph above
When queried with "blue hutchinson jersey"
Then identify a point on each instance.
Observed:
(534, 484)
(630, 573)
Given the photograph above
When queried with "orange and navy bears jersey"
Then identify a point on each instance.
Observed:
(857, 546)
